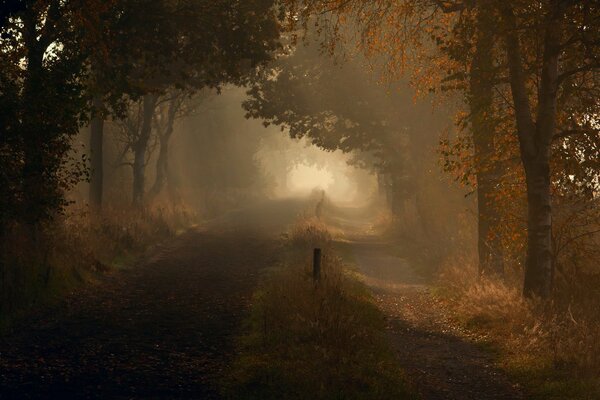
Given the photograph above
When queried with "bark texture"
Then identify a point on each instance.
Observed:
(97, 158)
(140, 149)
(535, 138)
(37, 194)
(487, 170)
(162, 162)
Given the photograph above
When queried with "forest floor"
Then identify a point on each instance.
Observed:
(166, 327)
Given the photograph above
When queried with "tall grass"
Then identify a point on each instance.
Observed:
(39, 265)
(318, 340)
(553, 347)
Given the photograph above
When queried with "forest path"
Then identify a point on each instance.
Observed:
(439, 358)
(161, 330)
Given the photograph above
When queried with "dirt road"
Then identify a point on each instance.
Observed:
(439, 358)
(163, 329)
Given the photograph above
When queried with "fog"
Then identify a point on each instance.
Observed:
(220, 160)
(265, 199)
(361, 141)
(241, 160)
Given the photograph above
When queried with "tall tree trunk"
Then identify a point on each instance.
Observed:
(97, 158)
(389, 190)
(539, 268)
(487, 171)
(162, 163)
(397, 197)
(380, 184)
(140, 149)
(37, 192)
(382, 189)
(162, 168)
(535, 138)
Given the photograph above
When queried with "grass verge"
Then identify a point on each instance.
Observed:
(39, 266)
(321, 340)
(551, 348)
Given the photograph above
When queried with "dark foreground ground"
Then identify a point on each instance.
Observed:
(441, 360)
(163, 329)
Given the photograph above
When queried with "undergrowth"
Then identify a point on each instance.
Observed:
(39, 265)
(552, 348)
(317, 340)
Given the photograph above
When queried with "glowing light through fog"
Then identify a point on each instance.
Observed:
(296, 168)
(333, 178)
(304, 178)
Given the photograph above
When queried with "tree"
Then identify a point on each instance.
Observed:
(567, 48)
(176, 104)
(233, 38)
(164, 122)
(564, 56)
(43, 70)
(470, 48)
(147, 47)
(402, 33)
(340, 107)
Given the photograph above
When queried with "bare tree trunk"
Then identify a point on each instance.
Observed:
(162, 163)
(38, 193)
(535, 138)
(397, 199)
(139, 150)
(489, 245)
(162, 168)
(481, 103)
(381, 184)
(97, 159)
(539, 268)
(389, 190)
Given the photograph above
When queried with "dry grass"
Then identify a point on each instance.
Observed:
(38, 266)
(552, 347)
(314, 340)
(308, 233)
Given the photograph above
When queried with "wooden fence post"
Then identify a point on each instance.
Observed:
(317, 265)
